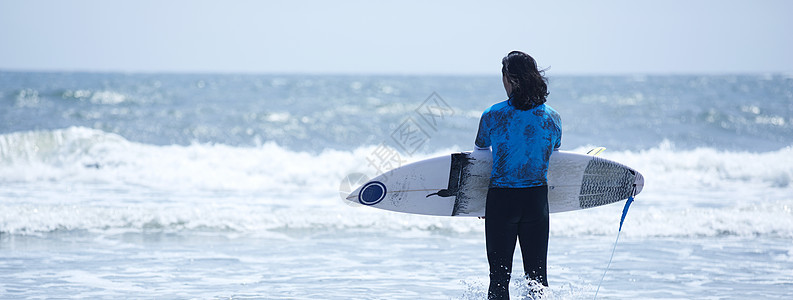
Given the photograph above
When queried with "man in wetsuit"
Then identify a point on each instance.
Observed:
(523, 132)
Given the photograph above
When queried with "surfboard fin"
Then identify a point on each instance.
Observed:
(596, 151)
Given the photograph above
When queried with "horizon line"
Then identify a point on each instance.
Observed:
(385, 73)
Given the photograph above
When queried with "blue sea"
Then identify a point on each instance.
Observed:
(208, 186)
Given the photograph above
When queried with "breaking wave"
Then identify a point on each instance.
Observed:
(85, 179)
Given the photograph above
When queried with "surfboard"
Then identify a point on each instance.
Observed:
(456, 184)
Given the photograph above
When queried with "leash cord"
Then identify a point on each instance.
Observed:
(613, 249)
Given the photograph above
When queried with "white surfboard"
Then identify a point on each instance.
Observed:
(456, 184)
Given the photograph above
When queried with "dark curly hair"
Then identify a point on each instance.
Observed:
(529, 85)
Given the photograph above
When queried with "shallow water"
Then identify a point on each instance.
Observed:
(227, 186)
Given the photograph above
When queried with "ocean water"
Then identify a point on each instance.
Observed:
(213, 186)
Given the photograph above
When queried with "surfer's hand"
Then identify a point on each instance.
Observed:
(481, 153)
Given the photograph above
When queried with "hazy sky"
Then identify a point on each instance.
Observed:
(404, 37)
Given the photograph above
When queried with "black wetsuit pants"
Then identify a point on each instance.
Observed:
(516, 214)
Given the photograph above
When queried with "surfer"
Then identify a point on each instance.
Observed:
(523, 132)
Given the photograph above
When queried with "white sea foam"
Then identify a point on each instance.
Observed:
(27, 98)
(85, 179)
(96, 97)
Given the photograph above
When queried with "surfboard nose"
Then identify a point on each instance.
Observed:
(353, 196)
(351, 186)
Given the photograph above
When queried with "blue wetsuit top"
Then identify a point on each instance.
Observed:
(522, 142)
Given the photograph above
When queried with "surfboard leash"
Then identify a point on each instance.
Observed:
(613, 249)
